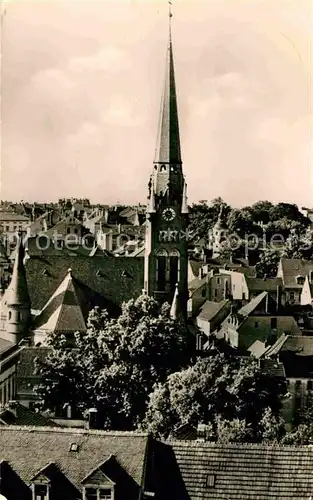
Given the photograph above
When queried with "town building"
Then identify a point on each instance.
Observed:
(44, 463)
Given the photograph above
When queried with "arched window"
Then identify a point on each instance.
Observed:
(10, 314)
(161, 261)
(163, 167)
(174, 267)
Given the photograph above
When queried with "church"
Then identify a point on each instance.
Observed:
(54, 292)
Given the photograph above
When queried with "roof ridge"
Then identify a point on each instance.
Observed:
(207, 444)
(74, 431)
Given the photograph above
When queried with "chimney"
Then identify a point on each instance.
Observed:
(92, 418)
(202, 433)
(69, 412)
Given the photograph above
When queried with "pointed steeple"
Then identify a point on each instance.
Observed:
(17, 292)
(168, 142)
(16, 299)
(175, 307)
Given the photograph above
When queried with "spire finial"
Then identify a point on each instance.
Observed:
(170, 13)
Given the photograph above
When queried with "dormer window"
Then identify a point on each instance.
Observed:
(40, 491)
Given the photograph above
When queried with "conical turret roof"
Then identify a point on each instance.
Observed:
(17, 291)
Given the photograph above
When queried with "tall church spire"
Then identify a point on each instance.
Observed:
(166, 245)
(168, 141)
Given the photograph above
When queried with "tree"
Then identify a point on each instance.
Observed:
(260, 211)
(116, 363)
(298, 246)
(241, 223)
(203, 216)
(268, 263)
(230, 394)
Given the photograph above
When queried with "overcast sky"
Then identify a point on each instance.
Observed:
(81, 87)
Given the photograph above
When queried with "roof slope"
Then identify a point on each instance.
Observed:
(116, 279)
(64, 310)
(18, 414)
(269, 284)
(291, 268)
(29, 449)
(210, 309)
(252, 305)
(245, 472)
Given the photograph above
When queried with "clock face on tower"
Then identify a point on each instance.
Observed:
(168, 214)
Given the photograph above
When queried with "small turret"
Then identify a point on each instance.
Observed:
(151, 202)
(17, 299)
(175, 307)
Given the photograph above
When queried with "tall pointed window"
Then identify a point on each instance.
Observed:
(174, 268)
(161, 262)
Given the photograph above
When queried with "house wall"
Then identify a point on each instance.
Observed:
(261, 328)
(8, 384)
(196, 300)
(208, 327)
(219, 287)
(239, 288)
(293, 295)
(305, 296)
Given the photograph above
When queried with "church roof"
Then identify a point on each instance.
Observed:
(112, 279)
(64, 310)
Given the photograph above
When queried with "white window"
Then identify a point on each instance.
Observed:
(40, 492)
(91, 493)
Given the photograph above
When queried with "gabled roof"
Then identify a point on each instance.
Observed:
(29, 450)
(245, 472)
(257, 349)
(252, 305)
(291, 268)
(12, 216)
(275, 349)
(64, 310)
(210, 309)
(18, 414)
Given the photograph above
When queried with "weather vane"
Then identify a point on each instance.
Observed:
(170, 9)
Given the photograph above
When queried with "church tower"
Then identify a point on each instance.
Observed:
(166, 243)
